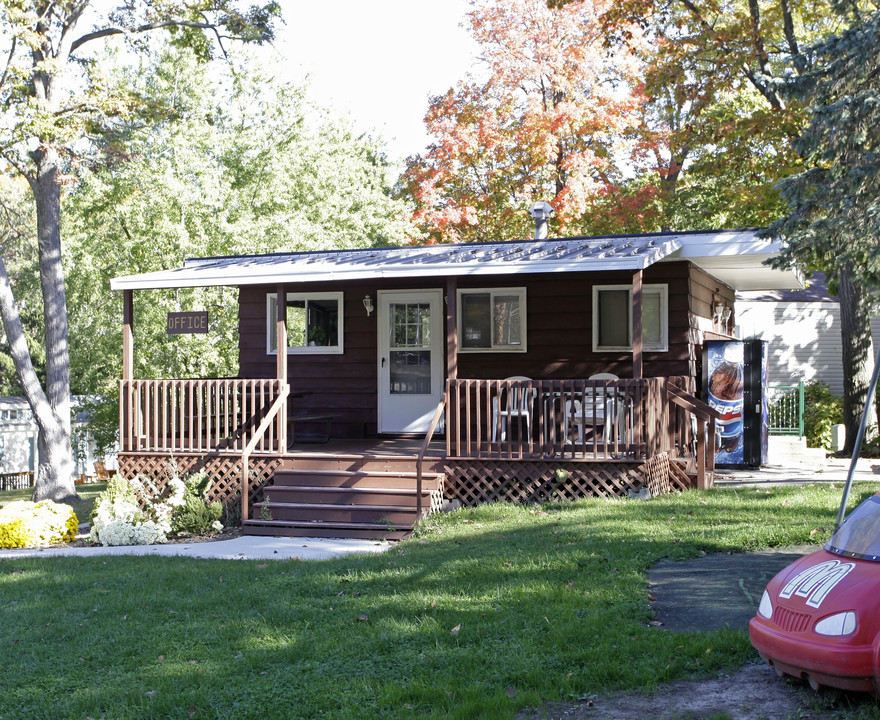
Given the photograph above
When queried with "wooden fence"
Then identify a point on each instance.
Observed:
(16, 481)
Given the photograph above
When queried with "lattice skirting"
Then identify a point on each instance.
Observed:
(478, 481)
(224, 471)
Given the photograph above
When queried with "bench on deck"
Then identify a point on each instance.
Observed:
(292, 420)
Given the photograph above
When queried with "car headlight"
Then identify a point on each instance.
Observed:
(841, 624)
(765, 609)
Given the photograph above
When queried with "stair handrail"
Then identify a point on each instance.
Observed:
(438, 413)
(704, 414)
(278, 406)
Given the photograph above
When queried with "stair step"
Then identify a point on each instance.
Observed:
(360, 463)
(299, 512)
(355, 479)
(345, 495)
(280, 528)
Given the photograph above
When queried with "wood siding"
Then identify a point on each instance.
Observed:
(704, 291)
(559, 326)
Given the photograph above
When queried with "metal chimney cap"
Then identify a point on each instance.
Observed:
(541, 210)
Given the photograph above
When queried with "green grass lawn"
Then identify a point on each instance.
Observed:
(88, 493)
(485, 611)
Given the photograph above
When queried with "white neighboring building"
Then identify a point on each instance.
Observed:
(802, 328)
(18, 441)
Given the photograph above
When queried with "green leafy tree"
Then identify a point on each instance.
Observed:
(240, 163)
(52, 106)
(833, 221)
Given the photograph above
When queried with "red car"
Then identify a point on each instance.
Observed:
(819, 619)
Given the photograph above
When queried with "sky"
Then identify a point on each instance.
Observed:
(378, 61)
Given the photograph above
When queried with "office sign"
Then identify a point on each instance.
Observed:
(186, 323)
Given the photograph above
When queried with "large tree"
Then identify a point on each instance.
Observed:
(834, 205)
(53, 104)
(723, 128)
(549, 115)
(241, 162)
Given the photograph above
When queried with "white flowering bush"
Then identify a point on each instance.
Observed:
(179, 508)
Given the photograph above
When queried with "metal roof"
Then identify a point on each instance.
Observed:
(580, 254)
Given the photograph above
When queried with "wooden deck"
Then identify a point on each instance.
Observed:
(381, 487)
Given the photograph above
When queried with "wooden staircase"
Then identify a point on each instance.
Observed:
(345, 497)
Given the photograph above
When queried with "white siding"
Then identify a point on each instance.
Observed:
(803, 337)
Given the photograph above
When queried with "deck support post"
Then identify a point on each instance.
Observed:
(452, 328)
(281, 361)
(281, 332)
(127, 335)
(637, 324)
(126, 417)
(452, 413)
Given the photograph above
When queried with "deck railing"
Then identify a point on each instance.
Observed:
(537, 419)
(579, 420)
(201, 416)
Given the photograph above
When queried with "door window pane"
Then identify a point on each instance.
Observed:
(410, 325)
(410, 372)
(410, 353)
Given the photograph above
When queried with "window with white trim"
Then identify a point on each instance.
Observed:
(612, 318)
(314, 323)
(492, 320)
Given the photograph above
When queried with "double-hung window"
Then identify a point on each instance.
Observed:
(613, 322)
(314, 323)
(492, 320)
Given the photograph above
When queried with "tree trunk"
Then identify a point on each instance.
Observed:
(54, 479)
(858, 353)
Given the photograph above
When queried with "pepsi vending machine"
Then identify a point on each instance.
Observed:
(735, 381)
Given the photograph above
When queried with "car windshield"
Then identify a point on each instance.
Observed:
(859, 536)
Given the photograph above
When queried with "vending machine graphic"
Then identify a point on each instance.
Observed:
(735, 382)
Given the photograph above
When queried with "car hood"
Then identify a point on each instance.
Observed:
(823, 583)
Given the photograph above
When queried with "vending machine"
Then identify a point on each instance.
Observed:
(735, 384)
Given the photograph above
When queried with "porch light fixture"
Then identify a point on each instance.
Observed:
(368, 305)
(718, 312)
(725, 317)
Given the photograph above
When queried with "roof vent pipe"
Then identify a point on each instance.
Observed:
(541, 211)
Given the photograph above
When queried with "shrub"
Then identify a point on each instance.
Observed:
(122, 518)
(196, 515)
(117, 520)
(28, 524)
(822, 409)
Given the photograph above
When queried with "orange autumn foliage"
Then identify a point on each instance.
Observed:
(552, 113)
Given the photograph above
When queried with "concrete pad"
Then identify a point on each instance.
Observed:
(240, 548)
(829, 470)
(715, 591)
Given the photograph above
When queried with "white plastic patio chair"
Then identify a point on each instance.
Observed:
(514, 404)
(598, 409)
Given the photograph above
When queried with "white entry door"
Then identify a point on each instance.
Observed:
(411, 359)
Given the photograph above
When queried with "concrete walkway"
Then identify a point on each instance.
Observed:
(827, 470)
(240, 548)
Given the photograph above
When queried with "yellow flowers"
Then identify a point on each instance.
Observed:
(28, 524)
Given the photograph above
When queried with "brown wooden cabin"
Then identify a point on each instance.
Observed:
(420, 375)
